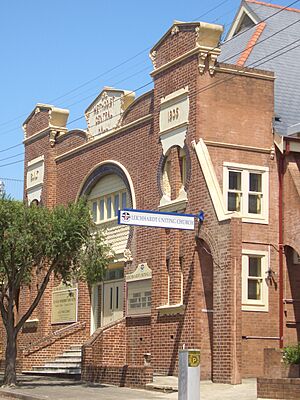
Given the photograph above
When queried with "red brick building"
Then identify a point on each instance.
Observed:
(202, 139)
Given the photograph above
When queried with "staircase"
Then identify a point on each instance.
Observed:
(68, 365)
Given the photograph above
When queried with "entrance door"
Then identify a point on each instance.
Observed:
(112, 301)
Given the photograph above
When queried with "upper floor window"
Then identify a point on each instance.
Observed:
(246, 190)
(107, 197)
(105, 208)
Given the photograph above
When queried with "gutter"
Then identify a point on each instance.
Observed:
(280, 236)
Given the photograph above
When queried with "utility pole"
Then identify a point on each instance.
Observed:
(2, 188)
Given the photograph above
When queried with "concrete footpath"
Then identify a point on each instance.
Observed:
(37, 388)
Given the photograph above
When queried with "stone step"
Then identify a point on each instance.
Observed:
(54, 364)
(56, 370)
(76, 346)
(163, 384)
(68, 359)
(68, 363)
(71, 353)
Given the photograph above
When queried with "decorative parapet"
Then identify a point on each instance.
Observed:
(207, 40)
(105, 112)
(55, 119)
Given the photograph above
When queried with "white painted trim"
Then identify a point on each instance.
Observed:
(255, 305)
(195, 50)
(263, 218)
(121, 166)
(35, 160)
(296, 257)
(246, 71)
(279, 142)
(238, 147)
(238, 20)
(257, 168)
(211, 181)
(178, 93)
(171, 309)
(94, 303)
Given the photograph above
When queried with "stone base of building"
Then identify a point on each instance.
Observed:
(279, 388)
(132, 376)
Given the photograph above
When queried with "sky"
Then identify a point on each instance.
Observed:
(64, 52)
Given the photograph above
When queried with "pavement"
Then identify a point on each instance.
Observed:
(39, 388)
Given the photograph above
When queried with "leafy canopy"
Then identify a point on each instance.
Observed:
(38, 238)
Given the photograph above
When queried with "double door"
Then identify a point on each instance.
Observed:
(113, 296)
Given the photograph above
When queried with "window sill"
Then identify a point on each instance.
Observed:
(171, 309)
(144, 315)
(30, 322)
(255, 220)
(105, 221)
(255, 307)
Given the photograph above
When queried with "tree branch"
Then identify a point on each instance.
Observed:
(2, 308)
(37, 297)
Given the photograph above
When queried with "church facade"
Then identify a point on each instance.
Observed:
(201, 140)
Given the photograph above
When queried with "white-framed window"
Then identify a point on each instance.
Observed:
(254, 280)
(246, 190)
(296, 257)
(139, 297)
(105, 208)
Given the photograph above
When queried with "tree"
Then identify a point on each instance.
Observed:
(38, 242)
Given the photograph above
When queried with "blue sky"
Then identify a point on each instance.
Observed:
(50, 50)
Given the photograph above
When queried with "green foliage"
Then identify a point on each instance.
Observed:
(291, 354)
(34, 240)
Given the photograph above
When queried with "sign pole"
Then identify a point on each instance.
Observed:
(189, 375)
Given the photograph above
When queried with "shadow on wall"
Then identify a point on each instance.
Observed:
(292, 297)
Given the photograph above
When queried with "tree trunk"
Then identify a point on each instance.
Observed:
(10, 376)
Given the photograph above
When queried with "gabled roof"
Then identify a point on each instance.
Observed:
(265, 35)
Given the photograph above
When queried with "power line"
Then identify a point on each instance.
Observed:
(270, 16)
(12, 179)
(16, 162)
(212, 9)
(105, 72)
(95, 93)
(11, 147)
(255, 64)
(7, 158)
(127, 94)
(261, 41)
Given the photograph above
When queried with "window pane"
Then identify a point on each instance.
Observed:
(94, 211)
(182, 166)
(167, 178)
(111, 298)
(255, 266)
(254, 204)
(234, 203)
(235, 180)
(255, 182)
(102, 210)
(254, 289)
(108, 205)
(124, 200)
(116, 205)
(117, 297)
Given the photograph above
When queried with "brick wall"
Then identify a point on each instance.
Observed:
(51, 346)
(288, 388)
(234, 111)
